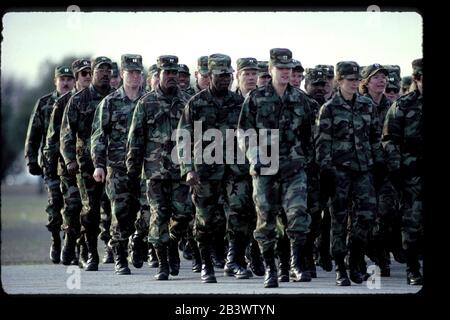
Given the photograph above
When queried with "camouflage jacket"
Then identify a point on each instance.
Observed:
(76, 127)
(402, 134)
(150, 143)
(37, 129)
(53, 158)
(348, 136)
(291, 114)
(382, 109)
(213, 114)
(110, 129)
(189, 91)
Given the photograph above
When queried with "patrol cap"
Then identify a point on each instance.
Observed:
(182, 68)
(80, 64)
(202, 65)
(406, 81)
(131, 62)
(297, 66)
(370, 70)
(219, 64)
(153, 69)
(347, 70)
(417, 66)
(393, 68)
(115, 69)
(247, 64)
(167, 62)
(63, 71)
(281, 58)
(329, 69)
(101, 60)
(316, 75)
(263, 68)
(393, 80)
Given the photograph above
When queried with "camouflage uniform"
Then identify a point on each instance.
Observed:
(403, 144)
(348, 145)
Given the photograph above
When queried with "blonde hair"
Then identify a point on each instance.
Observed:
(363, 86)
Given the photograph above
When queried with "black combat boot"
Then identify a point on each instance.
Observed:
(341, 272)
(234, 263)
(163, 264)
(108, 256)
(83, 251)
(76, 259)
(55, 247)
(307, 256)
(383, 260)
(174, 257)
(284, 256)
(207, 273)
(256, 261)
(413, 275)
(298, 271)
(187, 250)
(354, 261)
(270, 277)
(152, 257)
(120, 258)
(68, 250)
(137, 251)
(93, 258)
(218, 252)
(196, 259)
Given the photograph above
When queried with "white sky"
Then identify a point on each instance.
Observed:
(313, 37)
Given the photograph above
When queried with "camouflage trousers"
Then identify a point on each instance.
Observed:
(171, 210)
(142, 223)
(124, 206)
(412, 215)
(272, 195)
(315, 207)
(91, 193)
(54, 204)
(105, 217)
(356, 186)
(72, 204)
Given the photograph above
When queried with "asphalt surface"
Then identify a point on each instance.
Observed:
(60, 279)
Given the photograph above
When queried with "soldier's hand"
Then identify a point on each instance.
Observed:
(99, 175)
(72, 168)
(34, 169)
(192, 178)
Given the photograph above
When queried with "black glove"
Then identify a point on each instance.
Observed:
(34, 169)
(327, 183)
(379, 173)
(397, 180)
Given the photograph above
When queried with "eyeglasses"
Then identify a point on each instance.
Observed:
(85, 73)
(394, 90)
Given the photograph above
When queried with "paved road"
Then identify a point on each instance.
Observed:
(59, 279)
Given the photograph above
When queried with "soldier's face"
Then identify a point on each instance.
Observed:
(64, 84)
(329, 86)
(317, 90)
(132, 78)
(280, 76)
(263, 81)
(183, 80)
(377, 83)
(296, 79)
(168, 79)
(392, 94)
(115, 82)
(153, 80)
(203, 80)
(84, 78)
(221, 82)
(350, 86)
(248, 79)
(102, 75)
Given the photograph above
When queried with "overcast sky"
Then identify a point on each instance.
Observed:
(29, 38)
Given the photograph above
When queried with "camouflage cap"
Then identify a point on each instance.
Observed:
(297, 66)
(182, 68)
(370, 70)
(153, 69)
(347, 70)
(219, 64)
(329, 69)
(101, 60)
(406, 81)
(115, 69)
(247, 64)
(417, 66)
(131, 62)
(393, 80)
(202, 65)
(80, 64)
(281, 58)
(263, 68)
(393, 68)
(316, 75)
(63, 71)
(167, 62)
